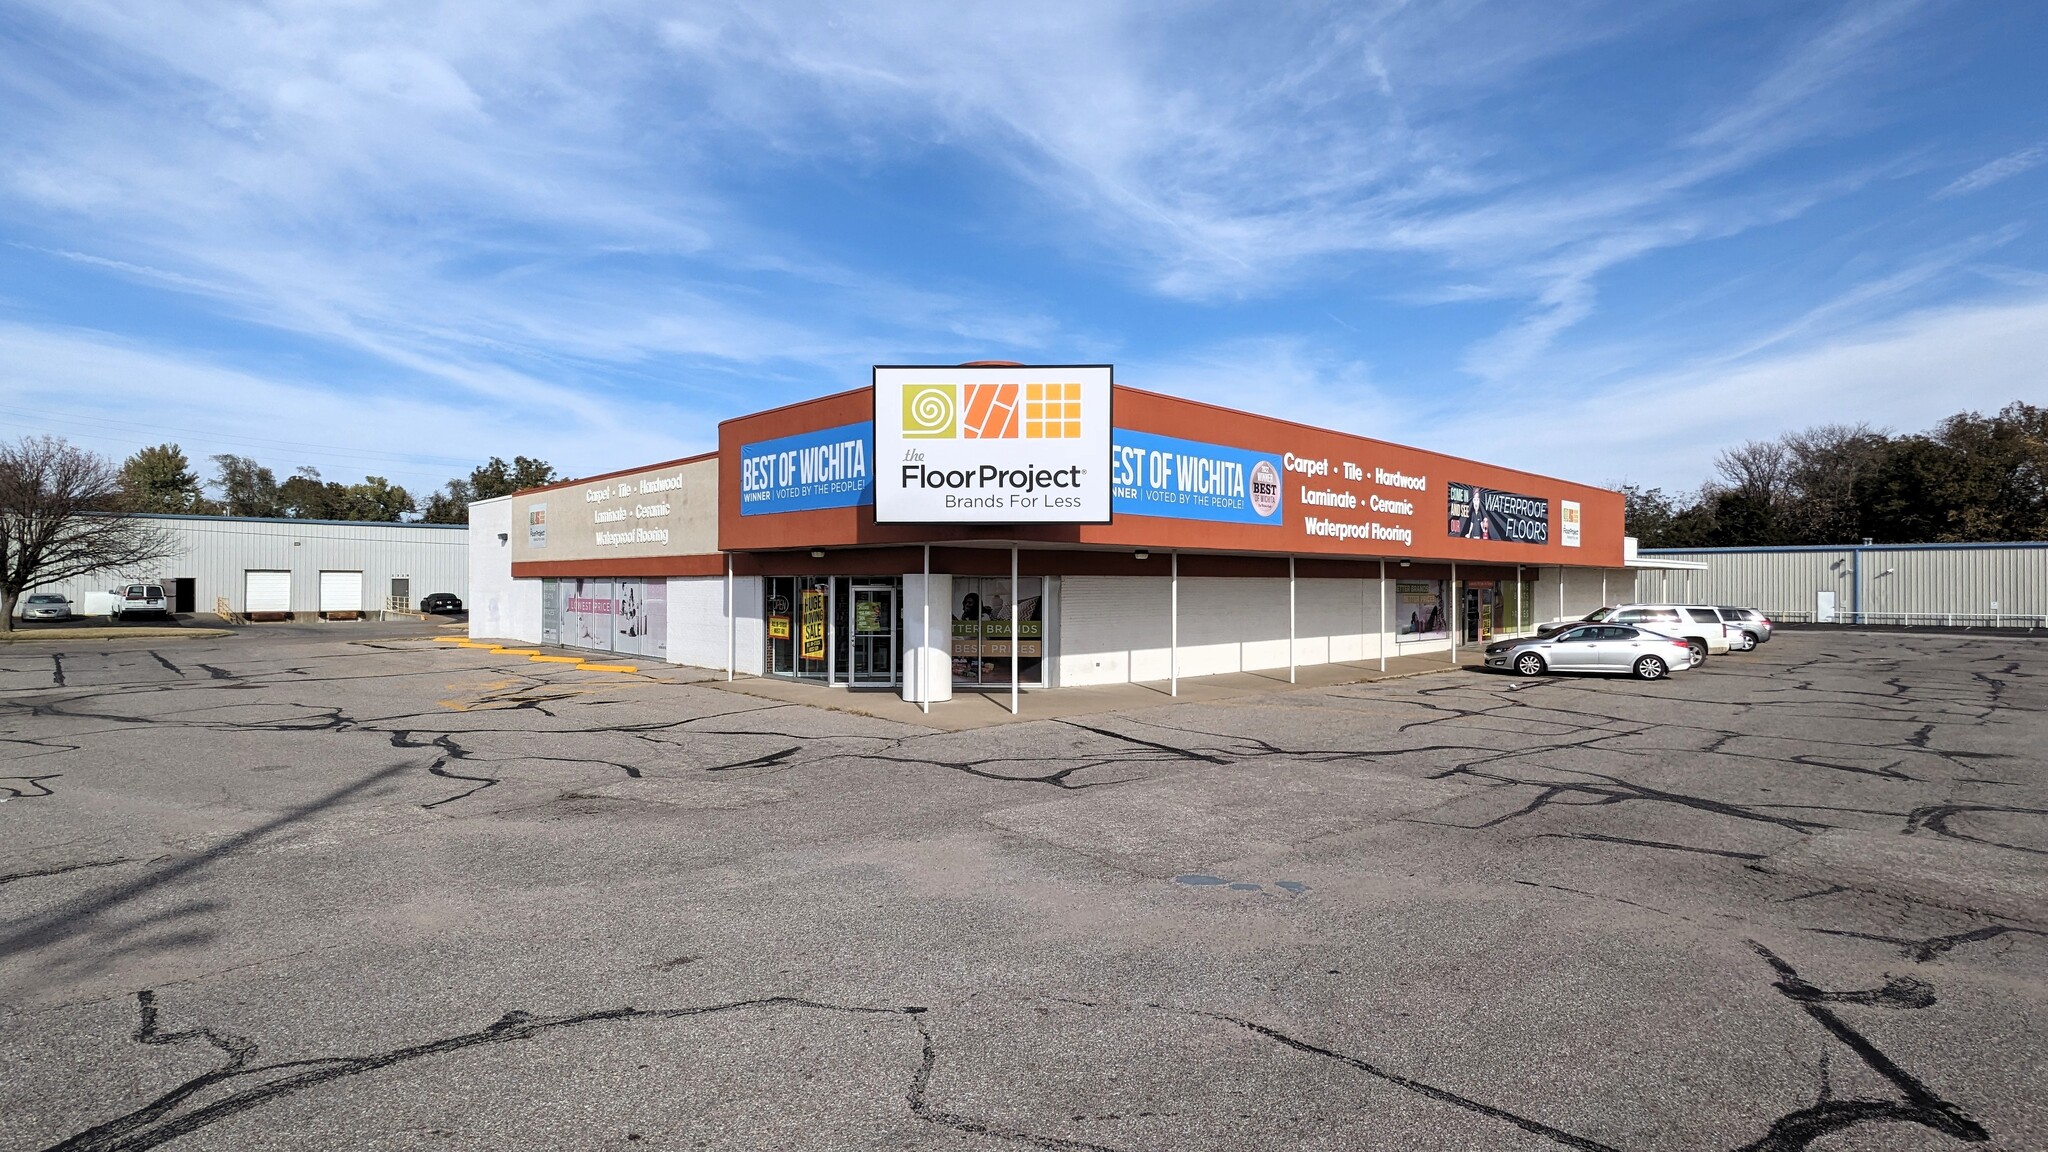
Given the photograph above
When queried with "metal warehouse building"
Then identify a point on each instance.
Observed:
(1938, 585)
(263, 568)
(1004, 527)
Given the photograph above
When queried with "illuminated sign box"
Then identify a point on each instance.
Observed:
(992, 445)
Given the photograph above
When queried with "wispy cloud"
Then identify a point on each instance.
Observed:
(2004, 168)
(582, 206)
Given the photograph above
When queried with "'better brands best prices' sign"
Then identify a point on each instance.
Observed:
(992, 445)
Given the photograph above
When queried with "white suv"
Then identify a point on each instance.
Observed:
(137, 599)
(1701, 627)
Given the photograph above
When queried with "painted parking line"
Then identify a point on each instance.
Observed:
(607, 668)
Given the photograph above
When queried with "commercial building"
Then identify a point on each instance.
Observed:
(988, 527)
(280, 569)
(1915, 585)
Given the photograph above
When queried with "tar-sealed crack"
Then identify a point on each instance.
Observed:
(238, 1084)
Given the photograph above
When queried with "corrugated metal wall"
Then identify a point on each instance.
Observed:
(1886, 584)
(217, 552)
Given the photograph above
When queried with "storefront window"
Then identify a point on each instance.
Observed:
(981, 631)
(586, 612)
(1419, 611)
(796, 626)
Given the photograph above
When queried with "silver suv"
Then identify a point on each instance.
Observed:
(140, 599)
(1755, 626)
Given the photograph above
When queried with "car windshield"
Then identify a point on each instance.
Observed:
(46, 599)
(1600, 614)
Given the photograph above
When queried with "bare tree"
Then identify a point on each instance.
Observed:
(1759, 469)
(61, 515)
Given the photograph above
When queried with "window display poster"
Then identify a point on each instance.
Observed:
(1419, 611)
(1484, 514)
(586, 613)
(640, 617)
(867, 617)
(981, 631)
(778, 627)
(1569, 513)
(812, 642)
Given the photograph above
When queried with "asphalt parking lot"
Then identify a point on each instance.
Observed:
(323, 888)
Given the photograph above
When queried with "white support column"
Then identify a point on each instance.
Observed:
(1173, 631)
(924, 634)
(831, 630)
(1603, 587)
(1016, 632)
(732, 627)
(1560, 591)
(1382, 645)
(1519, 622)
(1290, 619)
(1457, 605)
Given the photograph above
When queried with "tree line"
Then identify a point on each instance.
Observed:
(1970, 478)
(161, 479)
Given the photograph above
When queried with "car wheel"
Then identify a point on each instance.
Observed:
(1749, 641)
(1698, 653)
(1650, 668)
(1529, 664)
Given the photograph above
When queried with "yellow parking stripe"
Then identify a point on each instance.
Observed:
(607, 668)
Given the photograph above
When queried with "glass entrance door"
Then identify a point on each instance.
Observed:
(871, 641)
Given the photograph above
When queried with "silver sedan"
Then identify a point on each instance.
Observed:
(45, 606)
(1610, 648)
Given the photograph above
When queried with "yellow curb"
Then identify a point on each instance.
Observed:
(556, 659)
(607, 668)
(451, 639)
(516, 651)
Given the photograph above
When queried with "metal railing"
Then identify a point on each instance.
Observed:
(1915, 619)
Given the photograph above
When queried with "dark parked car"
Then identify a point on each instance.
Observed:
(441, 603)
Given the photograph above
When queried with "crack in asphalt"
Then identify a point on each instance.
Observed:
(176, 1113)
(61, 869)
(1925, 948)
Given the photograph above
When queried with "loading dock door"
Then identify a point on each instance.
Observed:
(266, 592)
(341, 591)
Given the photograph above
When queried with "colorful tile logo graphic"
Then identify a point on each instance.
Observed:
(992, 411)
(1052, 411)
(930, 412)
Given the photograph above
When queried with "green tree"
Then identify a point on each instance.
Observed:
(306, 497)
(374, 499)
(486, 481)
(160, 479)
(450, 505)
(246, 487)
(497, 479)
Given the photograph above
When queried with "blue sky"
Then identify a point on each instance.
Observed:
(1595, 240)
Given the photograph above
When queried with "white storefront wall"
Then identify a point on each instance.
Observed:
(499, 607)
(1117, 629)
(698, 631)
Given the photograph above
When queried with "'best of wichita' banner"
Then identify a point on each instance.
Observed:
(1484, 514)
(1162, 476)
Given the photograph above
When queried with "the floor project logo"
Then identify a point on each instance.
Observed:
(992, 411)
